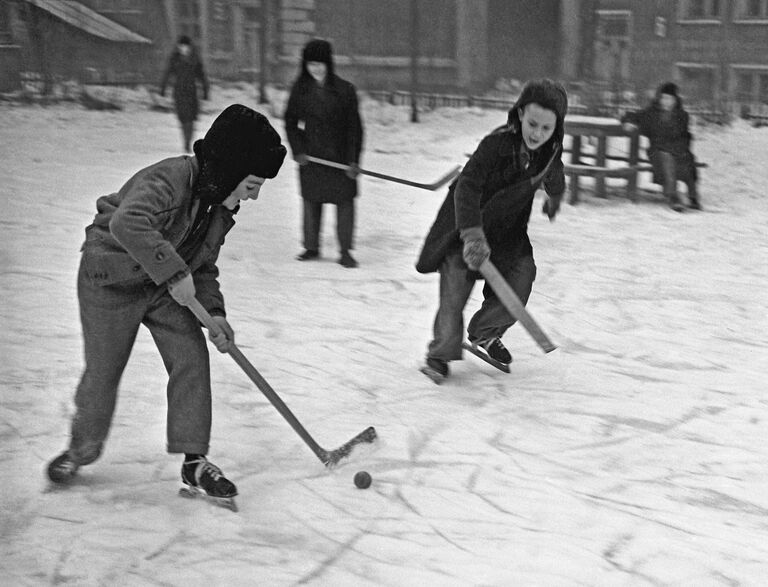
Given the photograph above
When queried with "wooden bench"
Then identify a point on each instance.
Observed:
(576, 170)
(573, 171)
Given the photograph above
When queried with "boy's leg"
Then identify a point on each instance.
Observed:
(345, 225)
(187, 128)
(492, 319)
(110, 319)
(313, 214)
(455, 287)
(693, 195)
(181, 342)
(669, 173)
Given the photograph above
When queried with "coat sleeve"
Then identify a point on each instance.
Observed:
(554, 182)
(200, 75)
(469, 186)
(293, 114)
(354, 128)
(146, 200)
(169, 71)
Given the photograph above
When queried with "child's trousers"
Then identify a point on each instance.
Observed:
(110, 317)
(492, 319)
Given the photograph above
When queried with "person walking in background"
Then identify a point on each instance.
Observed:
(186, 69)
(665, 123)
(485, 215)
(322, 120)
(151, 249)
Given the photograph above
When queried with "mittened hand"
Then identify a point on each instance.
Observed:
(224, 339)
(551, 207)
(301, 159)
(182, 289)
(476, 252)
(353, 171)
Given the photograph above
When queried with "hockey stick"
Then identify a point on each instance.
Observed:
(514, 306)
(425, 186)
(328, 457)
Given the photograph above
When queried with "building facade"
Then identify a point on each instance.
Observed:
(717, 50)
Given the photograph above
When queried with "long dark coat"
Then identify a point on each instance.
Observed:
(495, 191)
(669, 132)
(332, 130)
(186, 72)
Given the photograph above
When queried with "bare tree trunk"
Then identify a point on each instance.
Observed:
(414, 59)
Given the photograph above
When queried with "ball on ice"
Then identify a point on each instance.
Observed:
(362, 480)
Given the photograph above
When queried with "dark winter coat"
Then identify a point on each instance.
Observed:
(324, 121)
(142, 233)
(496, 191)
(186, 72)
(668, 132)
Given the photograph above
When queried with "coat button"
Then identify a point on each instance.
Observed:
(159, 255)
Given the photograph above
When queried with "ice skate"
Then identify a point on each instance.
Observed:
(204, 479)
(62, 469)
(492, 351)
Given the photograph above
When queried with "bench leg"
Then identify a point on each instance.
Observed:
(632, 187)
(574, 181)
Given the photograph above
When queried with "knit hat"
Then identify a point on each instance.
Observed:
(668, 88)
(318, 50)
(184, 40)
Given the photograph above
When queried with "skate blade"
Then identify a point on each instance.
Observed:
(484, 357)
(223, 502)
(436, 377)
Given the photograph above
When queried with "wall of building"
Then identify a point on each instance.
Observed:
(524, 39)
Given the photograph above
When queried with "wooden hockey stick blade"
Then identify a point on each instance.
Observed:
(514, 306)
(425, 186)
(483, 357)
(328, 458)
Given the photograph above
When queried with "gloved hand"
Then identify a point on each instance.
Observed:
(226, 338)
(476, 249)
(301, 159)
(353, 171)
(551, 206)
(182, 288)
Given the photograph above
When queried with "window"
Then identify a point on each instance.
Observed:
(700, 9)
(751, 84)
(699, 82)
(188, 14)
(119, 6)
(751, 10)
(5, 25)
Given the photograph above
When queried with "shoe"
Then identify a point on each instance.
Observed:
(694, 205)
(62, 469)
(346, 260)
(495, 349)
(308, 255)
(435, 369)
(203, 475)
(438, 366)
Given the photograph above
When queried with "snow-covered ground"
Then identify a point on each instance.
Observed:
(634, 454)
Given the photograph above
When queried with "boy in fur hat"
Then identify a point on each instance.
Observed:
(485, 215)
(151, 249)
(322, 120)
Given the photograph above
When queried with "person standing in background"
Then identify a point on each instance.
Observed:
(186, 69)
(322, 120)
